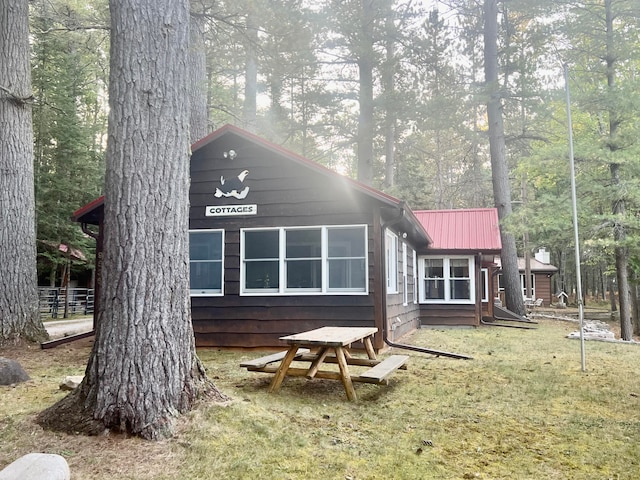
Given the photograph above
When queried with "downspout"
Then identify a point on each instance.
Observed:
(383, 226)
(85, 229)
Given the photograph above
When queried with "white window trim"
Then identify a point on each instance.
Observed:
(405, 280)
(282, 290)
(485, 293)
(210, 293)
(391, 257)
(415, 277)
(522, 284)
(447, 300)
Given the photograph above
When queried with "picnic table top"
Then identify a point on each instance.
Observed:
(330, 336)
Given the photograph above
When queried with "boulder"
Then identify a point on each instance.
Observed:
(11, 372)
(71, 382)
(37, 466)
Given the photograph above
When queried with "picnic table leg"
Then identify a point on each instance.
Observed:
(313, 369)
(282, 370)
(344, 373)
(369, 348)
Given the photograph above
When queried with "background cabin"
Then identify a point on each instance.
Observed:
(542, 273)
(457, 269)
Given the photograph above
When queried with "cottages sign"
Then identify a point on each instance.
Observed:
(230, 210)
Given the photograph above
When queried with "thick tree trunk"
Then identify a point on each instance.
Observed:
(143, 369)
(365, 96)
(635, 309)
(619, 208)
(199, 109)
(19, 315)
(250, 105)
(499, 168)
(389, 72)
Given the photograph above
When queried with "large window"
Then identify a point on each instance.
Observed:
(447, 279)
(304, 260)
(205, 262)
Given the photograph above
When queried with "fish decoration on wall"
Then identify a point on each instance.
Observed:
(233, 187)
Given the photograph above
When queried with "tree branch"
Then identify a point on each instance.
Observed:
(15, 98)
(74, 29)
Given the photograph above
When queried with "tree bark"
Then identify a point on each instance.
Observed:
(619, 209)
(365, 97)
(250, 105)
(499, 168)
(199, 109)
(388, 81)
(143, 369)
(19, 314)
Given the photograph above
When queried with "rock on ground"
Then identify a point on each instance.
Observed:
(11, 372)
(71, 382)
(37, 466)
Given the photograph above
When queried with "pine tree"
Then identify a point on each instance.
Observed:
(19, 313)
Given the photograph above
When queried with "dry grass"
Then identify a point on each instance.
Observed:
(522, 409)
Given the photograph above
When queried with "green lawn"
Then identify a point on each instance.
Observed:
(521, 409)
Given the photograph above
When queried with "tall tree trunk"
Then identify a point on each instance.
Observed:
(635, 308)
(143, 368)
(499, 168)
(199, 109)
(365, 96)
(619, 210)
(390, 107)
(19, 315)
(612, 298)
(250, 106)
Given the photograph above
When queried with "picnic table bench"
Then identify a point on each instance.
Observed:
(333, 346)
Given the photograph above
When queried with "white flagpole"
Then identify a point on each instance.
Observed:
(575, 222)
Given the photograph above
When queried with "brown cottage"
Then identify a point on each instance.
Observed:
(280, 245)
(542, 273)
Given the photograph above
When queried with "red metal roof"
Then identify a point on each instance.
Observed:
(87, 209)
(474, 229)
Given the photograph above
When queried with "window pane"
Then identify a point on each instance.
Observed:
(304, 274)
(205, 265)
(261, 244)
(205, 276)
(304, 244)
(347, 274)
(434, 268)
(434, 289)
(205, 245)
(346, 242)
(262, 274)
(459, 267)
(460, 289)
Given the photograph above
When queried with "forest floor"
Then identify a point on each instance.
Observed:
(521, 409)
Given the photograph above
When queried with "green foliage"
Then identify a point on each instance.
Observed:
(69, 83)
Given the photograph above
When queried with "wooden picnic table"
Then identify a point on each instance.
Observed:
(332, 344)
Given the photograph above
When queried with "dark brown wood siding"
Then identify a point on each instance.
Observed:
(543, 288)
(401, 318)
(287, 194)
(448, 315)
